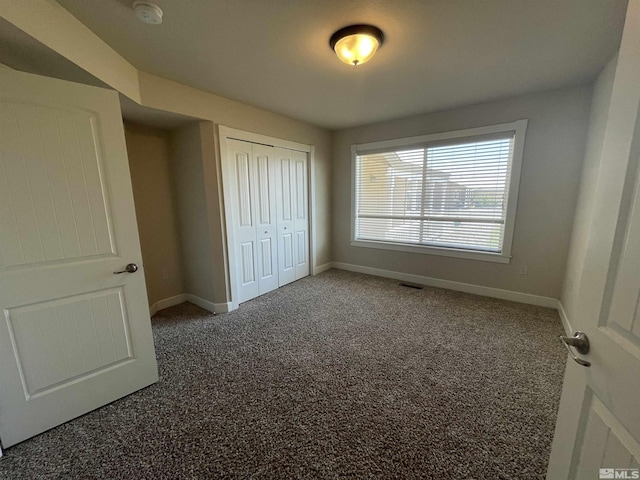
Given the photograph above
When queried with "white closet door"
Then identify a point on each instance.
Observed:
(264, 198)
(269, 215)
(285, 201)
(242, 168)
(301, 213)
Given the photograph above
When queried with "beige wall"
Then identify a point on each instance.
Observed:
(149, 161)
(553, 154)
(593, 157)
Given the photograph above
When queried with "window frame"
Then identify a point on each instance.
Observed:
(519, 128)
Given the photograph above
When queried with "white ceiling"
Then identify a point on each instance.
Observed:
(438, 54)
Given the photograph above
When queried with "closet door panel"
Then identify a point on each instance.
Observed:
(285, 212)
(301, 216)
(265, 208)
(242, 166)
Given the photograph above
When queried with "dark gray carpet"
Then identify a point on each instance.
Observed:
(338, 376)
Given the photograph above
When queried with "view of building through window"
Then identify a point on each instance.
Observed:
(450, 195)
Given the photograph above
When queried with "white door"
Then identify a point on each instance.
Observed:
(301, 213)
(285, 188)
(254, 217)
(244, 224)
(265, 206)
(599, 417)
(73, 336)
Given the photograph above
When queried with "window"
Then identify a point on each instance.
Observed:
(450, 194)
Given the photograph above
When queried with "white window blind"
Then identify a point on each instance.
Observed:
(450, 194)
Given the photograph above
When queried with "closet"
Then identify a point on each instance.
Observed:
(269, 194)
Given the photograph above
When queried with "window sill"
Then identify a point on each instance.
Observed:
(445, 252)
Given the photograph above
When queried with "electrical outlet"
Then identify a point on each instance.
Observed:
(524, 270)
(165, 274)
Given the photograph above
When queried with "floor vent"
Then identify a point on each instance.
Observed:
(411, 285)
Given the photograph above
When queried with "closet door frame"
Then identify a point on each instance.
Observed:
(224, 135)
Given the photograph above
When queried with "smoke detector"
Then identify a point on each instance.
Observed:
(148, 12)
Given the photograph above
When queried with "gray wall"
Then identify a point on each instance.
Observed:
(191, 207)
(149, 162)
(593, 157)
(553, 154)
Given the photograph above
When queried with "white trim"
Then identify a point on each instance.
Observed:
(322, 268)
(451, 285)
(565, 319)
(231, 273)
(311, 180)
(431, 250)
(167, 302)
(206, 304)
(189, 297)
(517, 126)
(244, 136)
(354, 192)
(514, 185)
(435, 137)
(222, 307)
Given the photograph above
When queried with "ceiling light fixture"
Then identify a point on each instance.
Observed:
(148, 12)
(356, 44)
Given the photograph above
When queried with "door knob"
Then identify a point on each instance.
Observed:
(580, 342)
(131, 268)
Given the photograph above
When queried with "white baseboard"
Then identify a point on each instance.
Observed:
(565, 319)
(167, 302)
(322, 268)
(405, 277)
(207, 305)
(222, 307)
(188, 297)
(451, 285)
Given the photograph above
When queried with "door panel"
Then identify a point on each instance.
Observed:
(74, 336)
(286, 230)
(54, 204)
(287, 262)
(301, 250)
(252, 168)
(605, 442)
(267, 254)
(248, 264)
(60, 341)
(301, 222)
(265, 203)
(242, 169)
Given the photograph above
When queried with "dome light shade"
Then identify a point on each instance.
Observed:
(356, 44)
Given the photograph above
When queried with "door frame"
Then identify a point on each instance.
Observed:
(224, 135)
